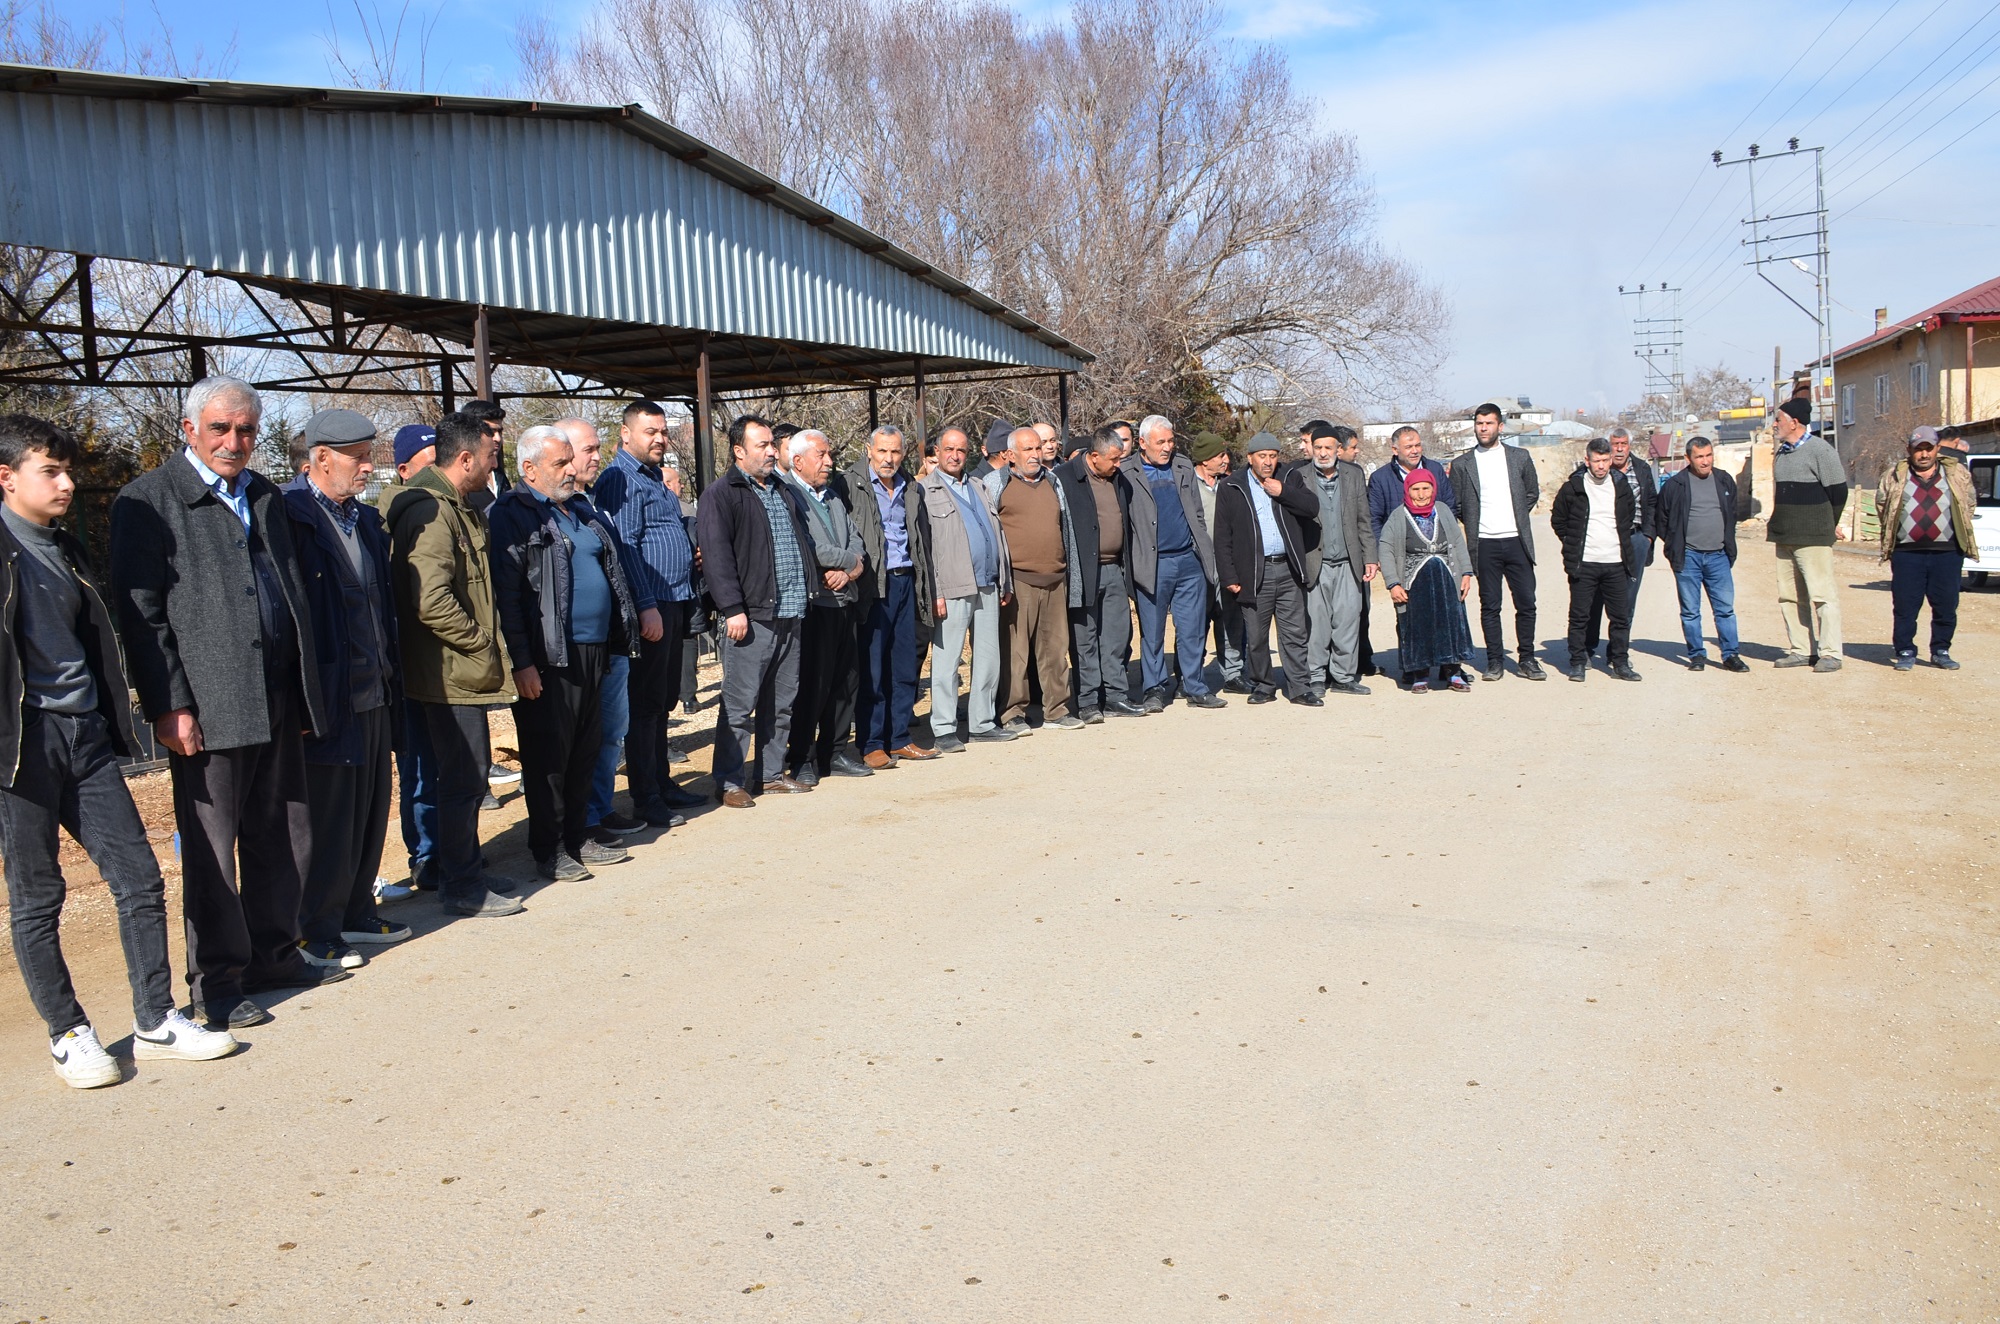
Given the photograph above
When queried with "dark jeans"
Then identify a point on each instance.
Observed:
(416, 794)
(350, 819)
(69, 778)
(561, 734)
(1919, 577)
(889, 665)
(244, 807)
(1505, 560)
(458, 738)
(824, 709)
(1180, 589)
(1279, 597)
(1594, 587)
(1102, 634)
(652, 688)
(1642, 551)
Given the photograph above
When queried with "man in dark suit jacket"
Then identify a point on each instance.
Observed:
(1100, 511)
(1261, 547)
(343, 551)
(220, 644)
(1385, 485)
(1497, 486)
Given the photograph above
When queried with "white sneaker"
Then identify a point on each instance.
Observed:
(81, 1061)
(388, 891)
(180, 1038)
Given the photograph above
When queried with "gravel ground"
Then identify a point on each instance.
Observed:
(1557, 1002)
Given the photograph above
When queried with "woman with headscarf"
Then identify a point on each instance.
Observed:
(1427, 569)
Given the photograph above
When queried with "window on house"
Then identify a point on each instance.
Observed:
(1920, 383)
(1847, 406)
(1881, 394)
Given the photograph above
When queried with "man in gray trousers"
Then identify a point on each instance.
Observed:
(1347, 566)
(969, 580)
(755, 546)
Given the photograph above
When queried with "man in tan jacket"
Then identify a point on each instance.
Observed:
(1926, 504)
(454, 664)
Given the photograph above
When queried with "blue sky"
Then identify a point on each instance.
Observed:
(1528, 156)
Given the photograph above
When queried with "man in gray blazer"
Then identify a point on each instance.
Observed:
(219, 640)
(1495, 486)
(1341, 568)
(838, 579)
(1173, 565)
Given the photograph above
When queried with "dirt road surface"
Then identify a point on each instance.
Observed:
(1550, 1002)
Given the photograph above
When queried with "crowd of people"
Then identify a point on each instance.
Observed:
(291, 644)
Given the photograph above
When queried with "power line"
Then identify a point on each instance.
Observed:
(1926, 161)
(1836, 64)
(1862, 77)
(1788, 72)
(1856, 180)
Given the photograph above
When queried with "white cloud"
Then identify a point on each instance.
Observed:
(1278, 19)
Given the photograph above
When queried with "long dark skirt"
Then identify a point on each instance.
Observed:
(1431, 629)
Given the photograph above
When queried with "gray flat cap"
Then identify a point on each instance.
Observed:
(338, 427)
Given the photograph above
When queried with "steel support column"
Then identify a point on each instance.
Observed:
(922, 426)
(1062, 405)
(704, 438)
(482, 357)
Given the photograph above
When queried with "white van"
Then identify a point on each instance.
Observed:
(1985, 520)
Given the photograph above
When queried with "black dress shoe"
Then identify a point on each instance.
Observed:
(1577, 671)
(300, 976)
(1494, 671)
(1733, 664)
(1532, 670)
(1308, 700)
(620, 824)
(1120, 708)
(846, 765)
(1237, 687)
(1623, 671)
(1154, 702)
(1210, 701)
(1256, 696)
(676, 798)
(1348, 687)
(807, 776)
(234, 1013)
(1697, 663)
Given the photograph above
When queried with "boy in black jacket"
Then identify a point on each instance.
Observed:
(61, 732)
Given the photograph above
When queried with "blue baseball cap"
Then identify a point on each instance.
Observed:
(413, 438)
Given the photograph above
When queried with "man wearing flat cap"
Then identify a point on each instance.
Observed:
(1261, 554)
(219, 641)
(1926, 504)
(1810, 492)
(1210, 454)
(343, 550)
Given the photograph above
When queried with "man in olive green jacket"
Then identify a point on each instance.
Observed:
(454, 664)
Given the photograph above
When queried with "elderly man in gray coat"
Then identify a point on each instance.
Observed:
(829, 647)
(1341, 568)
(968, 579)
(1173, 565)
(219, 639)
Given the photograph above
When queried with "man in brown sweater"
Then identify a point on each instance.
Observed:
(1035, 623)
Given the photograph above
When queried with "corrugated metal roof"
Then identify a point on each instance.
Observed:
(598, 213)
(1981, 301)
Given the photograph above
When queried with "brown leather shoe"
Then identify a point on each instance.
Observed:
(879, 759)
(916, 752)
(738, 798)
(786, 784)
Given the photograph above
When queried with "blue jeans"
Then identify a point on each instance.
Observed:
(416, 793)
(1180, 589)
(617, 716)
(1711, 571)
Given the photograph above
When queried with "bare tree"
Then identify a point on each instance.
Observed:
(1134, 179)
(1716, 388)
(385, 52)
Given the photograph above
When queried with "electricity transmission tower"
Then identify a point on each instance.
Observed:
(1656, 342)
(1799, 240)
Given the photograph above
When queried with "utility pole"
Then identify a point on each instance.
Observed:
(1656, 341)
(1799, 240)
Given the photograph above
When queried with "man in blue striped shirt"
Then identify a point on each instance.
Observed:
(633, 495)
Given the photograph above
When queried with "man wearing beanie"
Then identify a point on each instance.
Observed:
(1811, 491)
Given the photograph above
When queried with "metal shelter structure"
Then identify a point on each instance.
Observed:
(374, 232)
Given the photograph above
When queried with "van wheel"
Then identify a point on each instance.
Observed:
(1977, 579)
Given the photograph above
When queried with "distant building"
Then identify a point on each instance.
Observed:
(1940, 367)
